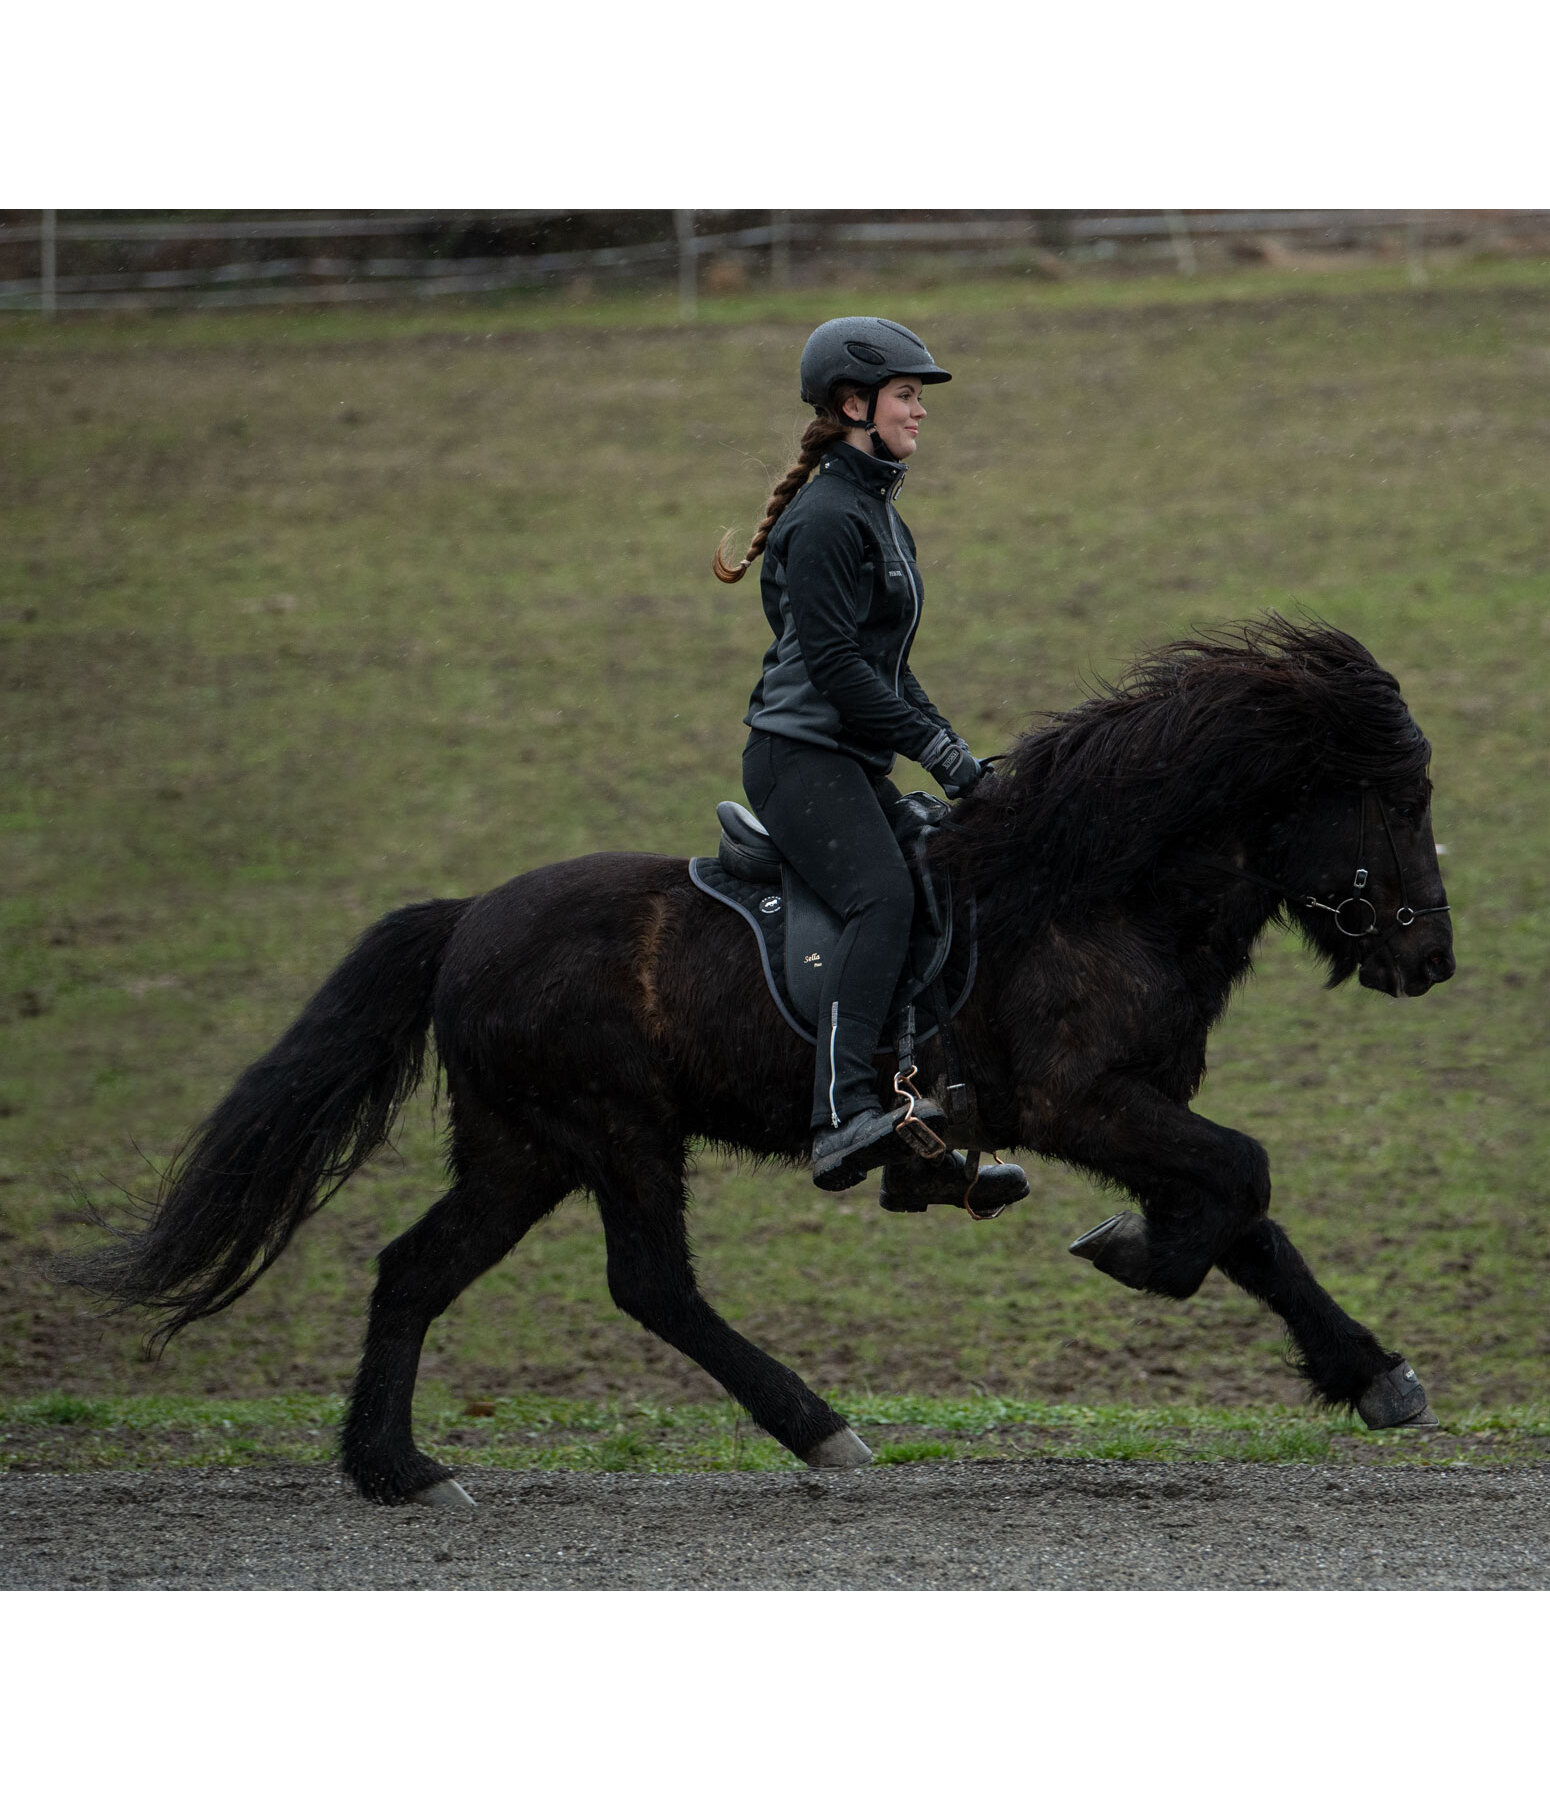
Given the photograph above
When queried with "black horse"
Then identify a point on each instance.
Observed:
(594, 1016)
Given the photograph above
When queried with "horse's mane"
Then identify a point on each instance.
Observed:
(1195, 736)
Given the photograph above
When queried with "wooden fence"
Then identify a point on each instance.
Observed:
(319, 259)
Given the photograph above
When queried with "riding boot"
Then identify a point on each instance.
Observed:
(912, 1184)
(845, 1081)
(847, 1154)
(852, 1132)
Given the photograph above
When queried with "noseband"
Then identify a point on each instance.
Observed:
(1404, 913)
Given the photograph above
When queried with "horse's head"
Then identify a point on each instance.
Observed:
(1285, 742)
(1369, 892)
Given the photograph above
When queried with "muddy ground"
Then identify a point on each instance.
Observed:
(1011, 1525)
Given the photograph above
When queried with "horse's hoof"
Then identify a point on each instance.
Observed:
(1119, 1248)
(1397, 1398)
(449, 1493)
(844, 1450)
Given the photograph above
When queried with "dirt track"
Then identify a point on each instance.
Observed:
(979, 1525)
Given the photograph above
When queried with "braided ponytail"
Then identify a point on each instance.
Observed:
(830, 422)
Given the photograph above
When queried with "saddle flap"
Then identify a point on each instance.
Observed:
(813, 931)
(812, 939)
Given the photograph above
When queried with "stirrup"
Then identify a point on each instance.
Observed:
(912, 1128)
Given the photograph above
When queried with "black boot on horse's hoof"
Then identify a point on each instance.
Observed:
(1397, 1398)
(845, 1156)
(914, 1184)
(1118, 1247)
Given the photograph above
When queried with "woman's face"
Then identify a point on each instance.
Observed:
(899, 413)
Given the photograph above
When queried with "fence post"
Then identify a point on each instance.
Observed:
(47, 296)
(1415, 250)
(780, 249)
(688, 274)
(1183, 244)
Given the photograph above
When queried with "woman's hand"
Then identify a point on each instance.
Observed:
(953, 764)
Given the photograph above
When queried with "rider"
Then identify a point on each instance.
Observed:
(836, 701)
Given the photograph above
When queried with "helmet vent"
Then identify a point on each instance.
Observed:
(867, 353)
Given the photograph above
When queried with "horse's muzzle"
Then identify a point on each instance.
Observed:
(1405, 971)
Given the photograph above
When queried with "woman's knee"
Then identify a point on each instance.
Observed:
(889, 900)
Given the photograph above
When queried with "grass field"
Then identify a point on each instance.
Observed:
(305, 617)
(79, 1433)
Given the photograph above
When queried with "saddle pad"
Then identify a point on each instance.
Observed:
(799, 924)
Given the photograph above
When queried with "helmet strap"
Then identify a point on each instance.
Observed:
(869, 424)
(879, 449)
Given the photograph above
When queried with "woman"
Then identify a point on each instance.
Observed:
(836, 702)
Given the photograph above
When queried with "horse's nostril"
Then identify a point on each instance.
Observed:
(1440, 965)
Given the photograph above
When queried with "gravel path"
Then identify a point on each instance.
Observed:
(967, 1525)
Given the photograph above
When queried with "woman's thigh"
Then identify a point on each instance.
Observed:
(826, 818)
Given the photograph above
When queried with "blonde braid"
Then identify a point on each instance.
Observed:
(830, 423)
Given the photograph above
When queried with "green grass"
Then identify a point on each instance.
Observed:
(63, 1433)
(303, 618)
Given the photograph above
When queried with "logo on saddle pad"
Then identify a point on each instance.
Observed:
(770, 903)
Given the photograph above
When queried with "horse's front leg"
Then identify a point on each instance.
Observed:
(1340, 1359)
(1201, 1185)
(1205, 1191)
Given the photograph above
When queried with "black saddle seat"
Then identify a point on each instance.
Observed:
(747, 850)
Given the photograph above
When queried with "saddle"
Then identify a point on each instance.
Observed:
(798, 933)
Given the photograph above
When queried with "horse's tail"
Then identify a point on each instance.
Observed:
(299, 1122)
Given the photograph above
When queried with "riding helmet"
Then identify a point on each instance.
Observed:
(866, 351)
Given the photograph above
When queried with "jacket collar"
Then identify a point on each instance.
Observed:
(870, 473)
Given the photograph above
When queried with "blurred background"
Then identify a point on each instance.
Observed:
(352, 558)
(82, 261)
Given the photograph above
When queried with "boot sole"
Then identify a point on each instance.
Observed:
(849, 1168)
(835, 1174)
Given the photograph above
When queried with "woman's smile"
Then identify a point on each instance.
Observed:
(898, 415)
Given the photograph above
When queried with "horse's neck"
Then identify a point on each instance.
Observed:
(1198, 922)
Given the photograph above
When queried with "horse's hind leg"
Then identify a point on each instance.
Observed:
(651, 1277)
(500, 1195)
(1340, 1359)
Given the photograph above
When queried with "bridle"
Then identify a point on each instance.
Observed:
(1404, 914)
(1352, 925)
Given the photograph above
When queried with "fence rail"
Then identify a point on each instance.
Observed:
(172, 231)
(1044, 243)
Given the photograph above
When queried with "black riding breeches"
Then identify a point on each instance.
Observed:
(829, 818)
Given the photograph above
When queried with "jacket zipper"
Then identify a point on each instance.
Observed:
(909, 576)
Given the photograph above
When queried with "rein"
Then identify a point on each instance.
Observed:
(1404, 914)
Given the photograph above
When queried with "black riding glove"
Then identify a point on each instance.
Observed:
(950, 760)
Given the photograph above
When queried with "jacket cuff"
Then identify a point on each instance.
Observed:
(940, 742)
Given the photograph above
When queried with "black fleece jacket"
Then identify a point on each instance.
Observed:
(843, 597)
